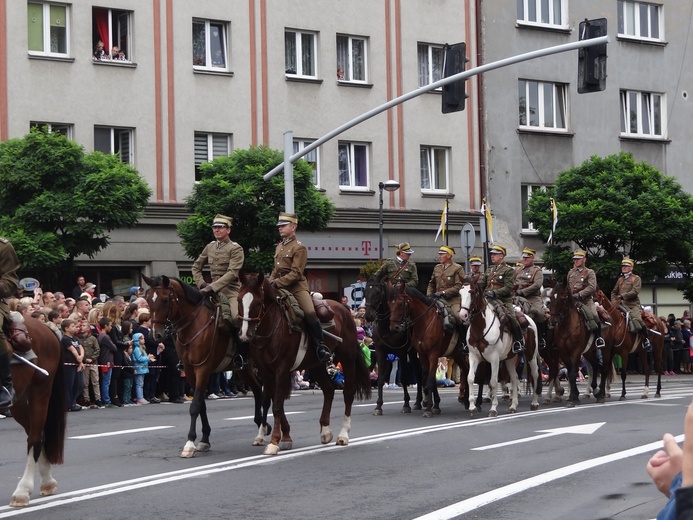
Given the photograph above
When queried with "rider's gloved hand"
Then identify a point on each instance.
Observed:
(519, 293)
(490, 294)
(206, 290)
(439, 294)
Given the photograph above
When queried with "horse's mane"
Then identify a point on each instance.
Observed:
(412, 291)
(191, 293)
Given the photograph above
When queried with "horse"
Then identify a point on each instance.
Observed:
(202, 346)
(573, 340)
(40, 408)
(411, 310)
(625, 342)
(277, 350)
(550, 355)
(387, 341)
(487, 340)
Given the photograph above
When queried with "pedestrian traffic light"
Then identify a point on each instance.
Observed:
(454, 62)
(592, 60)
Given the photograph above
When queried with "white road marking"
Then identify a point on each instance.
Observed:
(251, 417)
(120, 432)
(582, 429)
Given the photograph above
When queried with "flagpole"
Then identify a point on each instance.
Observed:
(447, 230)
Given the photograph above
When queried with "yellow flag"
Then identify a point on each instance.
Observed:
(554, 214)
(486, 210)
(442, 229)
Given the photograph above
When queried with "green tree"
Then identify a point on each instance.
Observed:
(234, 186)
(613, 207)
(58, 202)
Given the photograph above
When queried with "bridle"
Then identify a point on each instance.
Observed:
(261, 316)
(407, 322)
(382, 303)
(556, 318)
(475, 308)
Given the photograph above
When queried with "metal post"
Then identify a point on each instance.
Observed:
(381, 186)
(288, 172)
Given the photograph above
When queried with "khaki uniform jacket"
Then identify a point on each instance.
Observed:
(629, 289)
(583, 281)
(225, 262)
(449, 279)
(529, 280)
(9, 265)
(473, 277)
(407, 272)
(501, 280)
(290, 259)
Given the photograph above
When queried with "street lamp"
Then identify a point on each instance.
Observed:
(387, 186)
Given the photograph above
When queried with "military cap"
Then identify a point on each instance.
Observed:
(579, 253)
(498, 249)
(527, 252)
(222, 220)
(446, 250)
(475, 260)
(287, 218)
(627, 261)
(404, 247)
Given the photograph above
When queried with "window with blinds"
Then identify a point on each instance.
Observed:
(208, 147)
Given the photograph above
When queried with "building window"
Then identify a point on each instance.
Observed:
(115, 140)
(642, 114)
(526, 191)
(434, 168)
(353, 165)
(57, 128)
(640, 20)
(311, 157)
(210, 45)
(542, 12)
(112, 34)
(300, 53)
(351, 58)
(209, 147)
(430, 59)
(48, 28)
(542, 105)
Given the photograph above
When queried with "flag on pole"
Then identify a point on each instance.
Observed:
(442, 229)
(486, 210)
(554, 214)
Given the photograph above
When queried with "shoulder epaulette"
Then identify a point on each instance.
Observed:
(4, 240)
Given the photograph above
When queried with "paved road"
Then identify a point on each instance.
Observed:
(123, 463)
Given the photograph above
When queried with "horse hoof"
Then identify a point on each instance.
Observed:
(608, 395)
(286, 445)
(643, 396)
(427, 414)
(560, 392)
(377, 412)
(19, 501)
(486, 400)
(512, 410)
(557, 399)
(258, 442)
(622, 398)
(417, 407)
(472, 413)
(326, 439)
(188, 453)
(342, 441)
(657, 395)
(570, 404)
(601, 400)
(461, 400)
(406, 409)
(546, 400)
(534, 407)
(506, 398)
(436, 411)
(49, 489)
(203, 447)
(493, 413)
(271, 449)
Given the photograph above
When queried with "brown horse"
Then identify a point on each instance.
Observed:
(180, 310)
(387, 341)
(411, 310)
(625, 342)
(278, 350)
(573, 340)
(40, 408)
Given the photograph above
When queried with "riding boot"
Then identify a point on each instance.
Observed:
(462, 343)
(321, 350)
(447, 324)
(598, 340)
(543, 330)
(241, 355)
(6, 390)
(518, 340)
(646, 339)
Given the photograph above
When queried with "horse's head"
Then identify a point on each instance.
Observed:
(163, 304)
(399, 303)
(375, 297)
(560, 304)
(254, 291)
(465, 302)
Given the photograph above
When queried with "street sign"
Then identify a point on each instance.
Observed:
(468, 238)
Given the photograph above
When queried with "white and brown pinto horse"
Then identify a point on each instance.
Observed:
(488, 341)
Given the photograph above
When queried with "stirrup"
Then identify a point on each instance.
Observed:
(599, 342)
(542, 343)
(238, 362)
(323, 353)
(464, 348)
(7, 396)
(647, 345)
(518, 347)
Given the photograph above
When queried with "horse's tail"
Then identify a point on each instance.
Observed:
(56, 419)
(362, 376)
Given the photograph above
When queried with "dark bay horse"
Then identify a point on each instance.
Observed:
(573, 340)
(40, 408)
(411, 310)
(625, 342)
(388, 341)
(488, 341)
(179, 309)
(277, 350)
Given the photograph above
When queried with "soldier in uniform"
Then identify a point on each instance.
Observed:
(498, 282)
(475, 274)
(9, 265)
(225, 258)
(446, 282)
(528, 282)
(627, 293)
(582, 283)
(290, 259)
(400, 268)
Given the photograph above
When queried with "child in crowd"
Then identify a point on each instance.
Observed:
(140, 361)
(91, 371)
(72, 357)
(127, 375)
(108, 350)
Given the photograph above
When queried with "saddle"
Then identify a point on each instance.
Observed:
(445, 311)
(17, 333)
(295, 314)
(504, 315)
(649, 319)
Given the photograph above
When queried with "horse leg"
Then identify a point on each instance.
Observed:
(624, 363)
(328, 396)
(204, 444)
(493, 388)
(572, 366)
(431, 388)
(473, 363)
(436, 400)
(189, 450)
(48, 485)
(537, 386)
(381, 381)
(263, 402)
(349, 393)
(21, 495)
(645, 362)
(514, 385)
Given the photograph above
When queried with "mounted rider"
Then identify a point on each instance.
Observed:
(445, 284)
(529, 280)
(400, 268)
(582, 283)
(9, 265)
(225, 259)
(475, 273)
(627, 293)
(498, 282)
(290, 258)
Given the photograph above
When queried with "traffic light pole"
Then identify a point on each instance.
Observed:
(422, 90)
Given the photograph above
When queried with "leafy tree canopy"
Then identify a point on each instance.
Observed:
(59, 202)
(234, 186)
(613, 207)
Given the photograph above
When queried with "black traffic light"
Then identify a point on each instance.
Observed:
(454, 62)
(592, 60)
